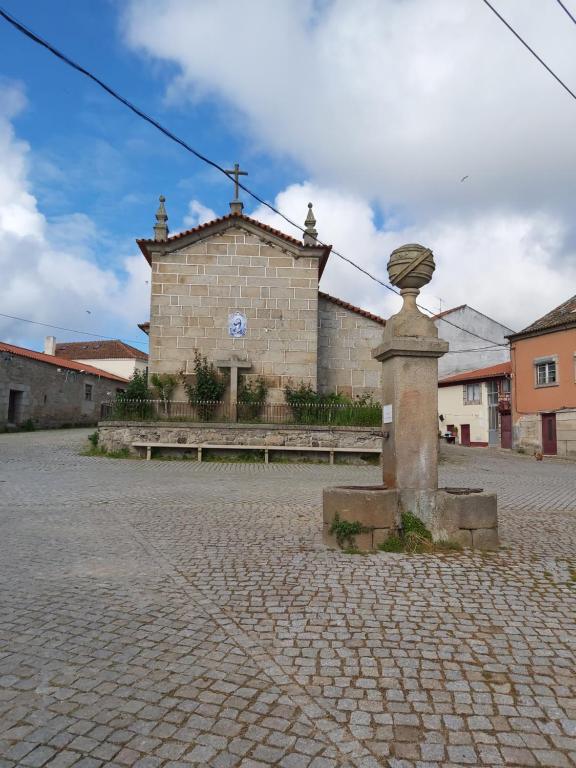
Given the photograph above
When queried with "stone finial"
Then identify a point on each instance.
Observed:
(310, 233)
(161, 227)
(410, 268)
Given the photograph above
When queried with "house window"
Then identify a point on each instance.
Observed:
(546, 372)
(472, 394)
(88, 392)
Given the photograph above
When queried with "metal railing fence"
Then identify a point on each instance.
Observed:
(334, 414)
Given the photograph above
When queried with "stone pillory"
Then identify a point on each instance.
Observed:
(409, 354)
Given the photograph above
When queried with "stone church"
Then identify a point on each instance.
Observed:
(247, 297)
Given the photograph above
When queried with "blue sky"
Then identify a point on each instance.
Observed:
(374, 110)
(95, 156)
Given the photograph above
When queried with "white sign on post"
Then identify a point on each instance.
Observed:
(387, 414)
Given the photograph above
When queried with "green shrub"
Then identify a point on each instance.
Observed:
(310, 407)
(163, 386)
(251, 398)
(133, 402)
(207, 389)
(93, 439)
(28, 426)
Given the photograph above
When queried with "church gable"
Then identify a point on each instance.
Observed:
(236, 289)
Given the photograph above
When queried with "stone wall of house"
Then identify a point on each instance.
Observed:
(527, 433)
(51, 397)
(345, 343)
(196, 288)
(117, 435)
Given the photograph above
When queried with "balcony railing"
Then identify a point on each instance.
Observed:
(338, 414)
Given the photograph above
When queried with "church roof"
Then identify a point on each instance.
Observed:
(352, 308)
(99, 350)
(232, 219)
(560, 318)
(60, 362)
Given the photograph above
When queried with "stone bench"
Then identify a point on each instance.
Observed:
(266, 448)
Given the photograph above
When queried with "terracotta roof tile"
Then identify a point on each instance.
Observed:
(233, 217)
(99, 350)
(491, 372)
(352, 308)
(440, 315)
(60, 362)
(563, 316)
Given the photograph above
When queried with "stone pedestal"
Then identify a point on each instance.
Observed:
(409, 355)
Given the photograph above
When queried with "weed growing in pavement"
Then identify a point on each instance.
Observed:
(414, 538)
(346, 532)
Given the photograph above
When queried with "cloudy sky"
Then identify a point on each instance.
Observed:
(374, 110)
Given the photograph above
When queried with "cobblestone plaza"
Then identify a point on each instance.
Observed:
(166, 614)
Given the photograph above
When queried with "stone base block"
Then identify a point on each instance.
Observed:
(374, 506)
(485, 538)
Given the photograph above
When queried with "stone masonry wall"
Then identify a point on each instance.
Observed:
(345, 343)
(51, 397)
(528, 432)
(117, 435)
(195, 288)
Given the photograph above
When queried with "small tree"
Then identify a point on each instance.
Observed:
(208, 387)
(133, 402)
(251, 397)
(164, 385)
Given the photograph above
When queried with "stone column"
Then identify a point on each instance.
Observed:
(409, 354)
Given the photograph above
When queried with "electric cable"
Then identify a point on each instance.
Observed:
(172, 136)
(71, 330)
(532, 51)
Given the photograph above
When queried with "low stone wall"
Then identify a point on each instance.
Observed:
(115, 435)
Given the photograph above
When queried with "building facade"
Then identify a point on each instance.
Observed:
(110, 355)
(475, 406)
(247, 297)
(464, 328)
(42, 391)
(544, 383)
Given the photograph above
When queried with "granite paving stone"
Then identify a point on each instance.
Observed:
(167, 614)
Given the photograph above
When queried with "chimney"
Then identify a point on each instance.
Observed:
(50, 345)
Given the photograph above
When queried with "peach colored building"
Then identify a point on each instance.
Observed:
(544, 383)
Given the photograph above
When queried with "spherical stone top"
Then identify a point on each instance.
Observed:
(411, 266)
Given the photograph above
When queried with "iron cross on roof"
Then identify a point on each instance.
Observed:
(236, 172)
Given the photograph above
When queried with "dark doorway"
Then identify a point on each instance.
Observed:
(15, 406)
(549, 446)
(506, 430)
(465, 434)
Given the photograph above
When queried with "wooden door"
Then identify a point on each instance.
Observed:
(549, 446)
(465, 434)
(506, 430)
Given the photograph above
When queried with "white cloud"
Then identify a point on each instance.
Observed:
(50, 269)
(198, 214)
(392, 103)
(501, 263)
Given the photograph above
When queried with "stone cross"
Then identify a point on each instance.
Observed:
(234, 363)
(236, 172)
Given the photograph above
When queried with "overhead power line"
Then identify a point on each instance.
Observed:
(173, 137)
(561, 4)
(71, 330)
(529, 48)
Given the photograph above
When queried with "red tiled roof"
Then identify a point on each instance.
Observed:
(563, 316)
(60, 362)
(352, 308)
(144, 327)
(99, 350)
(491, 372)
(232, 217)
(440, 315)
